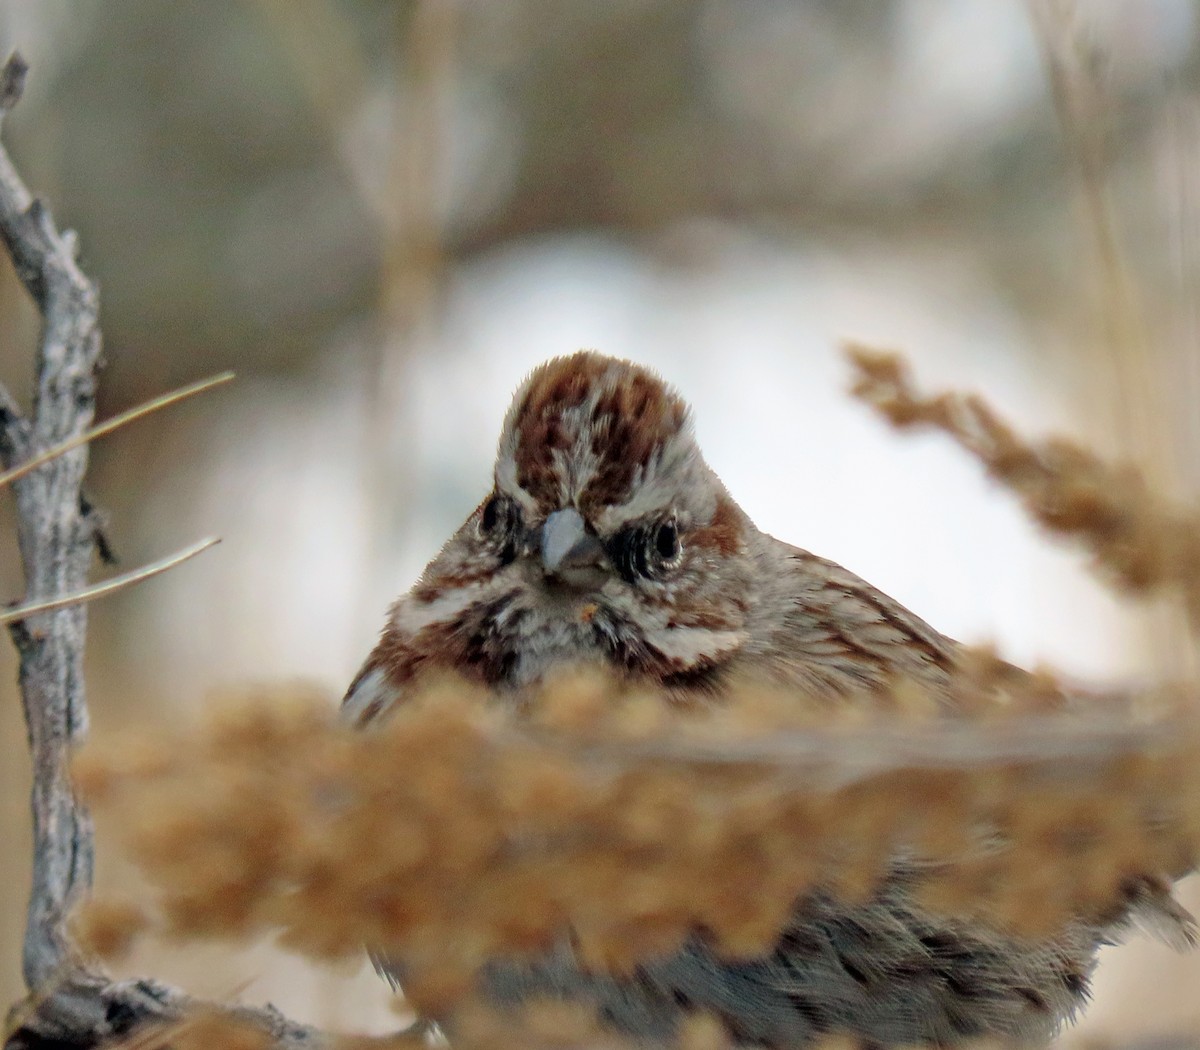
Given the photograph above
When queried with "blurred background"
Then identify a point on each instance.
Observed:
(382, 214)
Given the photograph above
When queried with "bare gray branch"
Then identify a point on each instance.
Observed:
(56, 541)
(71, 1003)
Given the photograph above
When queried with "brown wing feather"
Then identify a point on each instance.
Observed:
(821, 626)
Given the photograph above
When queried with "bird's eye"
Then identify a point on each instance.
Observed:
(499, 523)
(645, 552)
(491, 515)
(666, 541)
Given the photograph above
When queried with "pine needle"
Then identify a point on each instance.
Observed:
(109, 425)
(101, 590)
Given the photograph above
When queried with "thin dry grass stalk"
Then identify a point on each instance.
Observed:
(1138, 541)
(107, 587)
(115, 423)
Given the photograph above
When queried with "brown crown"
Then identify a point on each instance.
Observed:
(629, 414)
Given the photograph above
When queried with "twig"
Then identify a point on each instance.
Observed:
(100, 590)
(117, 421)
(84, 1010)
(1081, 107)
(71, 1003)
(56, 542)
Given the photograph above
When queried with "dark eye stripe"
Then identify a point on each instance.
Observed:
(621, 552)
(641, 553)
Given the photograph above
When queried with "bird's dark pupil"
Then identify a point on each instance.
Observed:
(666, 540)
(491, 514)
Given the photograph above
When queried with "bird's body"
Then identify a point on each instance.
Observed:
(607, 539)
(884, 971)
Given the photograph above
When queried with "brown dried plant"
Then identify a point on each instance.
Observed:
(1137, 540)
(460, 832)
(464, 831)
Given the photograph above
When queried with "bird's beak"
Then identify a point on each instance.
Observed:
(567, 547)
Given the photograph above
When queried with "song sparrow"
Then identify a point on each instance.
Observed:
(607, 538)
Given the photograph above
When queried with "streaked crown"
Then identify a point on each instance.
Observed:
(589, 431)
